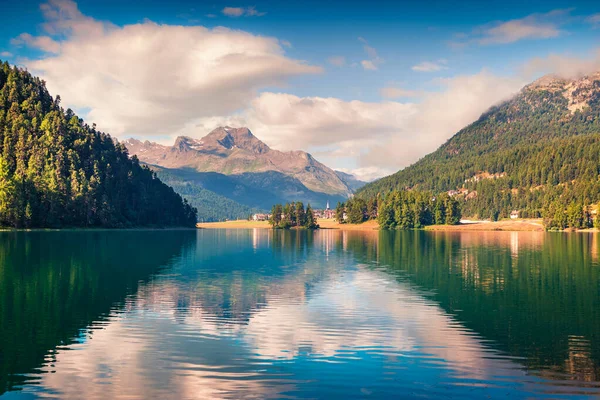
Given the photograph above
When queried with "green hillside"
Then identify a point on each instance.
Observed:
(56, 171)
(540, 148)
(211, 205)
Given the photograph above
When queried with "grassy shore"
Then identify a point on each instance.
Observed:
(511, 225)
(505, 225)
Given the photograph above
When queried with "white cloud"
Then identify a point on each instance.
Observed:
(64, 18)
(367, 174)
(151, 79)
(368, 65)
(594, 20)
(373, 62)
(533, 26)
(562, 65)
(242, 12)
(440, 115)
(513, 31)
(290, 122)
(6, 54)
(429, 66)
(386, 135)
(44, 43)
(338, 61)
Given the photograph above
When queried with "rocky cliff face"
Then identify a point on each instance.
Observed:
(578, 92)
(236, 151)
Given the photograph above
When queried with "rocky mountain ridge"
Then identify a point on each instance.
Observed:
(578, 92)
(235, 151)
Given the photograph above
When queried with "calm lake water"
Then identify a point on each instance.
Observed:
(326, 314)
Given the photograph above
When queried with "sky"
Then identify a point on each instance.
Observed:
(366, 87)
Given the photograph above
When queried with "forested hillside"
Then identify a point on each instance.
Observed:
(56, 171)
(211, 205)
(536, 152)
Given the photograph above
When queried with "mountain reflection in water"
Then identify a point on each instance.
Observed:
(329, 314)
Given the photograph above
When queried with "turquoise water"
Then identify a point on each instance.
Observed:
(274, 314)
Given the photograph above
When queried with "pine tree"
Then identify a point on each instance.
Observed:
(276, 212)
(300, 214)
(310, 222)
(340, 209)
(7, 193)
(575, 216)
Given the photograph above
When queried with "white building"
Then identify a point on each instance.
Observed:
(260, 217)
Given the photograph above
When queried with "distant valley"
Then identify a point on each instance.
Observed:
(230, 173)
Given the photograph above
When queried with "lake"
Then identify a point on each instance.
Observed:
(285, 314)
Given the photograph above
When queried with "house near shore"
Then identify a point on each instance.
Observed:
(514, 214)
(260, 217)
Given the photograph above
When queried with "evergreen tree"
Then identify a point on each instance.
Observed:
(276, 212)
(356, 210)
(340, 209)
(387, 217)
(286, 221)
(310, 222)
(575, 216)
(7, 193)
(300, 214)
(372, 205)
(411, 209)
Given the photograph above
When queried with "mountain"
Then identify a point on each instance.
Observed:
(233, 163)
(352, 181)
(56, 171)
(541, 147)
(211, 206)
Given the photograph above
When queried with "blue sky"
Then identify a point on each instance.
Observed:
(358, 84)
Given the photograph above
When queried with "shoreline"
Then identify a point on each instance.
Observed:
(323, 224)
(519, 225)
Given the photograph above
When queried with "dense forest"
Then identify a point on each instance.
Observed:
(56, 171)
(535, 154)
(356, 210)
(400, 209)
(293, 215)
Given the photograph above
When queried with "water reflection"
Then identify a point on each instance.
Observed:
(54, 285)
(528, 295)
(271, 314)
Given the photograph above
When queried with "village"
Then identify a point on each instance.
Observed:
(326, 213)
